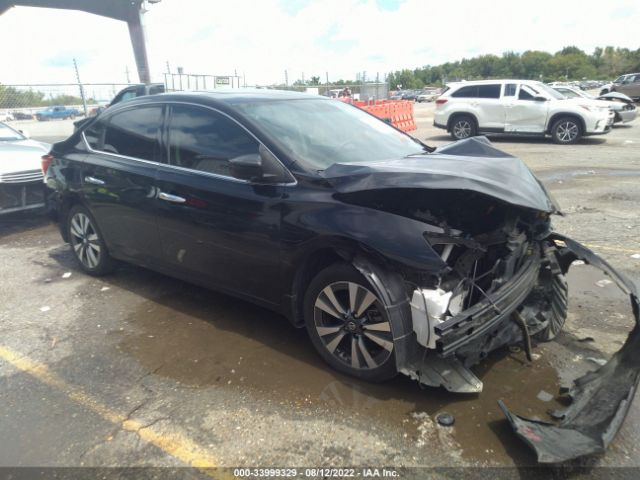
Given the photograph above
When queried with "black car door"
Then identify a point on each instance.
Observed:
(118, 178)
(215, 226)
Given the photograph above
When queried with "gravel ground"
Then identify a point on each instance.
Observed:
(138, 369)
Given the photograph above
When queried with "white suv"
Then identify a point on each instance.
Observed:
(522, 107)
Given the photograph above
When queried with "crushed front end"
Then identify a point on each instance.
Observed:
(499, 280)
(504, 287)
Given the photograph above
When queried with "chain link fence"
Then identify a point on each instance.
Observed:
(23, 102)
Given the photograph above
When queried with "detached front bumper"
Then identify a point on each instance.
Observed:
(600, 399)
(538, 293)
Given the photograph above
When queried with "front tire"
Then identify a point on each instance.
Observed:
(566, 131)
(348, 324)
(87, 242)
(463, 126)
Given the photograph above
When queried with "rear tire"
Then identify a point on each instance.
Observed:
(566, 131)
(348, 324)
(87, 242)
(463, 126)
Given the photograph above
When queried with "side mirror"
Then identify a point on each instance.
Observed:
(247, 167)
(540, 98)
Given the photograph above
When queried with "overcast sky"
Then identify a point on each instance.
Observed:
(262, 38)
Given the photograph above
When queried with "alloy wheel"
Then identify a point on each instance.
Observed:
(352, 325)
(567, 131)
(462, 129)
(84, 240)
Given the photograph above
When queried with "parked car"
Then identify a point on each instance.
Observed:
(6, 116)
(57, 113)
(127, 93)
(22, 115)
(409, 95)
(427, 95)
(622, 106)
(628, 84)
(395, 256)
(21, 186)
(522, 107)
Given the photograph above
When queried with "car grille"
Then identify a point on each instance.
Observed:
(21, 177)
(21, 191)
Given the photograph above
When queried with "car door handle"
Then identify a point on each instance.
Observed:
(94, 180)
(167, 197)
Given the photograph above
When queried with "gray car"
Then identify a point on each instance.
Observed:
(628, 84)
(21, 185)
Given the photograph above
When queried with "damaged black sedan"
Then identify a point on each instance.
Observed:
(395, 256)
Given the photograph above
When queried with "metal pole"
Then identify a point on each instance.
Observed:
(286, 78)
(84, 100)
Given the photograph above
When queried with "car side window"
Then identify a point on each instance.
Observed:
(128, 96)
(204, 140)
(489, 91)
(524, 93)
(95, 135)
(470, 91)
(133, 132)
(510, 90)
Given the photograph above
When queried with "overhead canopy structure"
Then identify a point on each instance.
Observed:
(129, 11)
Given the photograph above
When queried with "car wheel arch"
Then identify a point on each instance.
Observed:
(67, 202)
(557, 116)
(334, 250)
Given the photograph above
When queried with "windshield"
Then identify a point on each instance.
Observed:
(8, 134)
(550, 91)
(569, 93)
(319, 133)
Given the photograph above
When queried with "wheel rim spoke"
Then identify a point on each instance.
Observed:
(91, 257)
(368, 299)
(325, 307)
(324, 331)
(379, 327)
(353, 296)
(76, 229)
(333, 344)
(365, 354)
(328, 291)
(355, 362)
(386, 344)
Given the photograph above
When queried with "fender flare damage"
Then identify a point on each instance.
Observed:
(601, 398)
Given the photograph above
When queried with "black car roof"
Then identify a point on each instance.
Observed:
(227, 97)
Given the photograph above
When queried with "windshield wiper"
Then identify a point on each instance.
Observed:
(426, 147)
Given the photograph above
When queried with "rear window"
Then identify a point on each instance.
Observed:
(478, 91)
(489, 91)
(470, 91)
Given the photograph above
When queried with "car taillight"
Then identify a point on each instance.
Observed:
(441, 101)
(46, 162)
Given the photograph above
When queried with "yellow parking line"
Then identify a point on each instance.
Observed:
(175, 445)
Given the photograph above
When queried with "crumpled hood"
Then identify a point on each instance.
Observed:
(616, 95)
(472, 164)
(22, 155)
